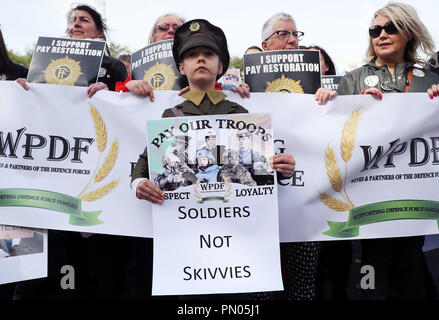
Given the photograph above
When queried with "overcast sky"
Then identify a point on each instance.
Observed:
(339, 26)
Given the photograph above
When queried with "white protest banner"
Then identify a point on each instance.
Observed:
(65, 161)
(22, 258)
(364, 168)
(218, 229)
(393, 156)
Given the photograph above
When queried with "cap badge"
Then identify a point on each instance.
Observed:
(195, 26)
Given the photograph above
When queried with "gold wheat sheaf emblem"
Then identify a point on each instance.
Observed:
(333, 170)
(228, 188)
(101, 172)
(197, 193)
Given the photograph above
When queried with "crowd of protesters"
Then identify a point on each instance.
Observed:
(123, 267)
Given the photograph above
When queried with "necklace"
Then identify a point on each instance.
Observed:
(407, 81)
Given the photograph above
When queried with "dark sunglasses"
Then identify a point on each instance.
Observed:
(389, 27)
(166, 27)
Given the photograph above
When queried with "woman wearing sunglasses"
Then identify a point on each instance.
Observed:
(164, 29)
(397, 36)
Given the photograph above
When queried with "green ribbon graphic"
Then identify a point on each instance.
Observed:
(51, 201)
(383, 211)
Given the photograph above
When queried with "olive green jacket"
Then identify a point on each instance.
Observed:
(196, 104)
(372, 76)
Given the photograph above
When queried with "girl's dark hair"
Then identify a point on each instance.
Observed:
(327, 58)
(97, 18)
(5, 62)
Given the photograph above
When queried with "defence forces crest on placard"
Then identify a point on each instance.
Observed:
(161, 77)
(64, 71)
(285, 85)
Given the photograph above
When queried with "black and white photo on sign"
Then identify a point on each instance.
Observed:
(17, 241)
(23, 254)
(235, 154)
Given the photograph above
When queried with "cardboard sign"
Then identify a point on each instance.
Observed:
(155, 64)
(288, 71)
(220, 205)
(230, 79)
(331, 82)
(23, 258)
(66, 61)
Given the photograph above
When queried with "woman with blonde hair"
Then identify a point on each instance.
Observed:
(394, 64)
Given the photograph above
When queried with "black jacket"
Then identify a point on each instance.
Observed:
(432, 62)
(112, 71)
(17, 71)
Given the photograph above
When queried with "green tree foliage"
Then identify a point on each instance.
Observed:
(116, 49)
(21, 59)
(236, 63)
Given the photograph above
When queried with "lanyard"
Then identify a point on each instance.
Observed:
(409, 80)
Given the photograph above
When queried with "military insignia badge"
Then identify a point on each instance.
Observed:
(63, 71)
(161, 77)
(285, 85)
(195, 26)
